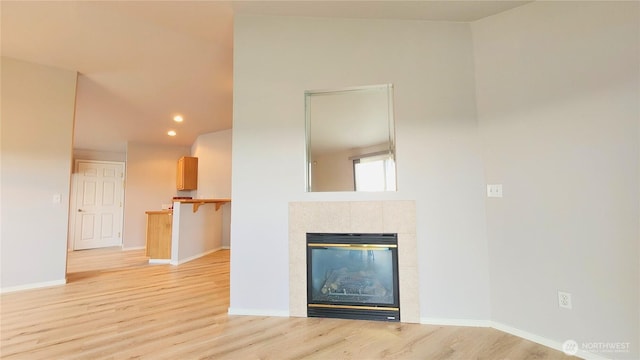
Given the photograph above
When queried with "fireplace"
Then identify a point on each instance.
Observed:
(353, 276)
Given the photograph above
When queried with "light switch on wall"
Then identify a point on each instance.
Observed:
(494, 190)
(57, 198)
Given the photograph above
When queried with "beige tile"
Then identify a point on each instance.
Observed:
(297, 293)
(410, 313)
(297, 251)
(297, 215)
(297, 274)
(356, 216)
(407, 250)
(297, 238)
(399, 216)
(409, 294)
(297, 241)
(327, 217)
(366, 217)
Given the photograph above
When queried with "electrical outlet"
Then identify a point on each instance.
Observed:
(564, 300)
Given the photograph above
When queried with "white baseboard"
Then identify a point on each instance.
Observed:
(543, 341)
(182, 261)
(258, 312)
(227, 247)
(33, 286)
(455, 322)
(510, 330)
(159, 261)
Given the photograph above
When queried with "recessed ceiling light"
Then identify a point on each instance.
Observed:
(178, 118)
(171, 133)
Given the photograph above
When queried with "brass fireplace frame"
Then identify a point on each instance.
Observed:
(381, 311)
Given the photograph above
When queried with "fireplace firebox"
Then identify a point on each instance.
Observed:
(353, 276)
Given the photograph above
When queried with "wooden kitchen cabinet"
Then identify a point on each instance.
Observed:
(187, 173)
(159, 225)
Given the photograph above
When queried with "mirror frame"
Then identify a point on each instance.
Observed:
(390, 126)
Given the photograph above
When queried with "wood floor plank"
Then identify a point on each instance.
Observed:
(117, 306)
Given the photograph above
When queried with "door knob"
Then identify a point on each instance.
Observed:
(79, 210)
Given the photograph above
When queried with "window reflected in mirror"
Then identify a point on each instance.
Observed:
(350, 139)
(375, 173)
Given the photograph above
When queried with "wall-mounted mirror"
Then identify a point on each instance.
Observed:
(351, 139)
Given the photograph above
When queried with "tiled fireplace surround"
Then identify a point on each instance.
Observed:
(354, 217)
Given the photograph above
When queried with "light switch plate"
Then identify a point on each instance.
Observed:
(494, 190)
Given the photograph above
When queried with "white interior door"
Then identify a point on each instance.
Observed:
(97, 204)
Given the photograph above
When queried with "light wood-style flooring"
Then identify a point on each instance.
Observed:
(116, 306)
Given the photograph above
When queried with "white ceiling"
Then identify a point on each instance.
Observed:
(141, 62)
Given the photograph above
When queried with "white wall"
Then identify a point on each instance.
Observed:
(557, 95)
(195, 234)
(37, 127)
(150, 183)
(439, 165)
(213, 151)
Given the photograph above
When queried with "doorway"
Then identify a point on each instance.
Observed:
(97, 199)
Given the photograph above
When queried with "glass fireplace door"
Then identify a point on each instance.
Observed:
(353, 276)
